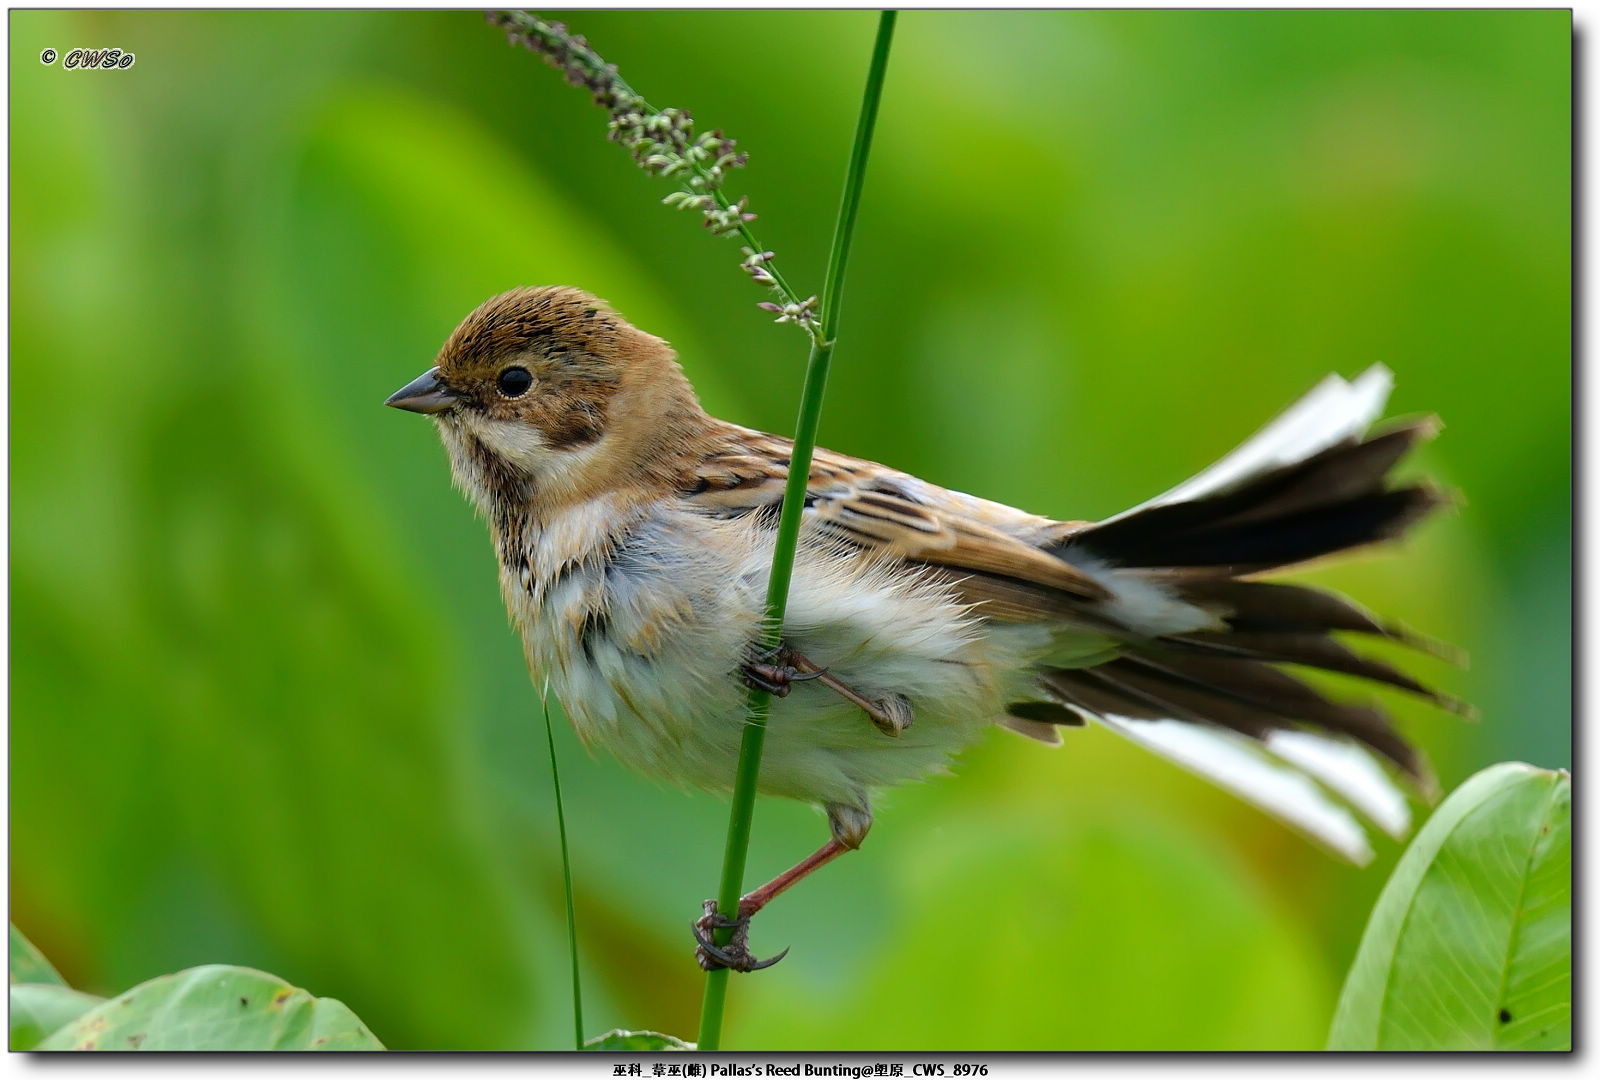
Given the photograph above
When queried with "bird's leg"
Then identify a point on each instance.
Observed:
(849, 825)
(774, 670)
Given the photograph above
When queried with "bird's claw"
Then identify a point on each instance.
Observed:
(736, 953)
(775, 669)
(775, 679)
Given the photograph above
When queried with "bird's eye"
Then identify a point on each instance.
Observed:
(514, 382)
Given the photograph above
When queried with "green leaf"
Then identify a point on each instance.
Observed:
(216, 1007)
(1470, 945)
(28, 964)
(636, 1040)
(38, 1009)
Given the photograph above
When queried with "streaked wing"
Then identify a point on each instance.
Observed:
(993, 551)
(1201, 664)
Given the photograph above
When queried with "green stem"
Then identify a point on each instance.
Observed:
(783, 552)
(566, 872)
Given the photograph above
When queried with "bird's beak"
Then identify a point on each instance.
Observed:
(424, 394)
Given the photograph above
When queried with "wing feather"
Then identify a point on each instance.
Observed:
(990, 551)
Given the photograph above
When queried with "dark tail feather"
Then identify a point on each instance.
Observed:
(1247, 696)
(1310, 650)
(1220, 699)
(1332, 501)
(1273, 608)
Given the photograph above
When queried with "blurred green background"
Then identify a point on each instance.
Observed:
(265, 706)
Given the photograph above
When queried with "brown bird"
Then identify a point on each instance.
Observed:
(635, 533)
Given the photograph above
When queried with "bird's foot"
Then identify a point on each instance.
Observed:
(775, 670)
(736, 953)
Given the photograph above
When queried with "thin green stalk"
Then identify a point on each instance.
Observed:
(805, 439)
(566, 873)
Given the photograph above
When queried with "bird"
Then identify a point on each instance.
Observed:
(634, 534)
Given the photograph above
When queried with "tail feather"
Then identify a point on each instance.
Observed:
(1334, 410)
(1330, 502)
(1308, 485)
(1254, 546)
(1280, 696)
(1276, 608)
(1305, 785)
(1314, 651)
(1248, 696)
(1113, 689)
(1348, 771)
(1273, 607)
(1303, 777)
(1346, 472)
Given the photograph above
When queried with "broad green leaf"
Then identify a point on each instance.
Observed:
(38, 1009)
(216, 1007)
(636, 1040)
(28, 964)
(1470, 945)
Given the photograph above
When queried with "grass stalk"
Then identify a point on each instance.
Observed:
(669, 151)
(744, 793)
(566, 874)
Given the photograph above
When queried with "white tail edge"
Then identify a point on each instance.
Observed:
(1334, 410)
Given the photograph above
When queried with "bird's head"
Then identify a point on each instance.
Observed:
(545, 396)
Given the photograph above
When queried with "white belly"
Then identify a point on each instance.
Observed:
(658, 684)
